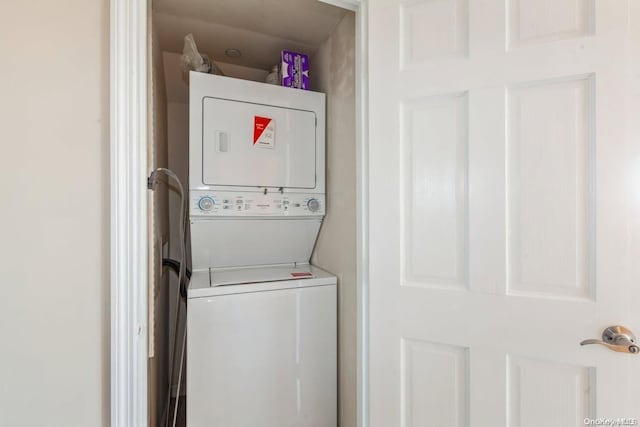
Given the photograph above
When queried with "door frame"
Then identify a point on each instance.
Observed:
(128, 208)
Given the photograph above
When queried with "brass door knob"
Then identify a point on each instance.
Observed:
(617, 338)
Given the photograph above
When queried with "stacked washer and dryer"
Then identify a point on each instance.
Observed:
(261, 320)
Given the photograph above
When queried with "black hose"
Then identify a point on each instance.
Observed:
(174, 266)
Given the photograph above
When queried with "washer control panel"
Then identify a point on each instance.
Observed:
(227, 203)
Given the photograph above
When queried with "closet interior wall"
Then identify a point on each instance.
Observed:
(336, 251)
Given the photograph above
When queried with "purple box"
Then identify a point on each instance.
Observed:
(294, 69)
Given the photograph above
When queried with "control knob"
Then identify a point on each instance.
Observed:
(313, 205)
(206, 203)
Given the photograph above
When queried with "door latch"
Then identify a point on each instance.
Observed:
(617, 338)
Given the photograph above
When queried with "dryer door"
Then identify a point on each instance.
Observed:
(255, 145)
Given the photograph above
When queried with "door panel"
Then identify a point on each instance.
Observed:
(545, 393)
(504, 210)
(435, 175)
(425, 364)
(550, 152)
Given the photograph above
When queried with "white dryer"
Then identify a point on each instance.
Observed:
(261, 321)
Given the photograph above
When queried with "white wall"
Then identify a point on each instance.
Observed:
(333, 72)
(54, 213)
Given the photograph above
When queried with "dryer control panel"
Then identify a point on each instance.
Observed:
(227, 203)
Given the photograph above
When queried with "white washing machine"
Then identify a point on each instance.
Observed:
(261, 321)
(262, 354)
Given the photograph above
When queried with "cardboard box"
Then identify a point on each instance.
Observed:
(294, 69)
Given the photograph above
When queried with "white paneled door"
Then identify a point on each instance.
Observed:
(504, 211)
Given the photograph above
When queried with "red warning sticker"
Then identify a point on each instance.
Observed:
(302, 274)
(264, 132)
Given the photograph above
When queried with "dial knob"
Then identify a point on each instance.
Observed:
(206, 203)
(313, 205)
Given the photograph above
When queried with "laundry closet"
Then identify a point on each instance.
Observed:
(255, 186)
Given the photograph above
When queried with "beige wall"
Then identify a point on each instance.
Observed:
(54, 213)
(333, 72)
(158, 372)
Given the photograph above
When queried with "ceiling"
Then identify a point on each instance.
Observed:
(260, 29)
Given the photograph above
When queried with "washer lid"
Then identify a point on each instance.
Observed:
(228, 242)
(239, 276)
(257, 279)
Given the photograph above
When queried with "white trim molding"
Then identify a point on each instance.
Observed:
(362, 188)
(128, 104)
(129, 256)
(360, 7)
